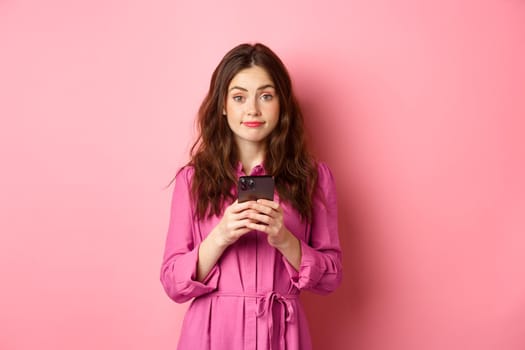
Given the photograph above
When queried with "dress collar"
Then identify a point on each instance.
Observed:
(257, 170)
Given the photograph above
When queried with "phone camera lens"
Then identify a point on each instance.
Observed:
(244, 184)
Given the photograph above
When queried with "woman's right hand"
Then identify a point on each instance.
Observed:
(232, 224)
(229, 229)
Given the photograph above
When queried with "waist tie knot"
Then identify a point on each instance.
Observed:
(266, 305)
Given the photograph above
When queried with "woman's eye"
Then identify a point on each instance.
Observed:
(238, 98)
(267, 97)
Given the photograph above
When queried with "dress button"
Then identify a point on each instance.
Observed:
(257, 170)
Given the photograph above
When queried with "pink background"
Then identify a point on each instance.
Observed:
(417, 106)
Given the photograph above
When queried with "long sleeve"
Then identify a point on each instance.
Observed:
(321, 268)
(179, 266)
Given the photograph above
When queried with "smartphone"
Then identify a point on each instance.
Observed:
(251, 188)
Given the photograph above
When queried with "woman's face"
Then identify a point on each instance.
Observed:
(252, 106)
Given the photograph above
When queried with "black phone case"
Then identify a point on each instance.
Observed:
(255, 187)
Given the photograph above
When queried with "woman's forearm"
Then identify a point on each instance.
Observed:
(209, 253)
(291, 250)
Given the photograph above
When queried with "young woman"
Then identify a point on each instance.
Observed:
(244, 264)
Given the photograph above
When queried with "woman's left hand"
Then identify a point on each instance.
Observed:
(268, 218)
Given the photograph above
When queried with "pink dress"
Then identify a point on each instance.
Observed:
(249, 300)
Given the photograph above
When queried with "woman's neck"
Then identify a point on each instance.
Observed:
(250, 156)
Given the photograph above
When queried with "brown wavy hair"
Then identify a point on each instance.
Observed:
(214, 155)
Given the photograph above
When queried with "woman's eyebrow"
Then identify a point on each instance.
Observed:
(259, 88)
(266, 87)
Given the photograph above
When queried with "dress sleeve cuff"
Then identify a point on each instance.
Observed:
(308, 274)
(186, 284)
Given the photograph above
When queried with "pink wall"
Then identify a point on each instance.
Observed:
(418, 107)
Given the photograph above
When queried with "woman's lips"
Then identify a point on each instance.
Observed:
(252, 124)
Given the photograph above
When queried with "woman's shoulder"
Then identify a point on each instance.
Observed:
(185, 174)
(323, 170)
(187, 169)
(325, 177)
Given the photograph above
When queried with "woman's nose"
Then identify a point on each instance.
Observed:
(252, 107)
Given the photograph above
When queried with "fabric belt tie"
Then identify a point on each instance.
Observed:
(266, 305)
(267, 302)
